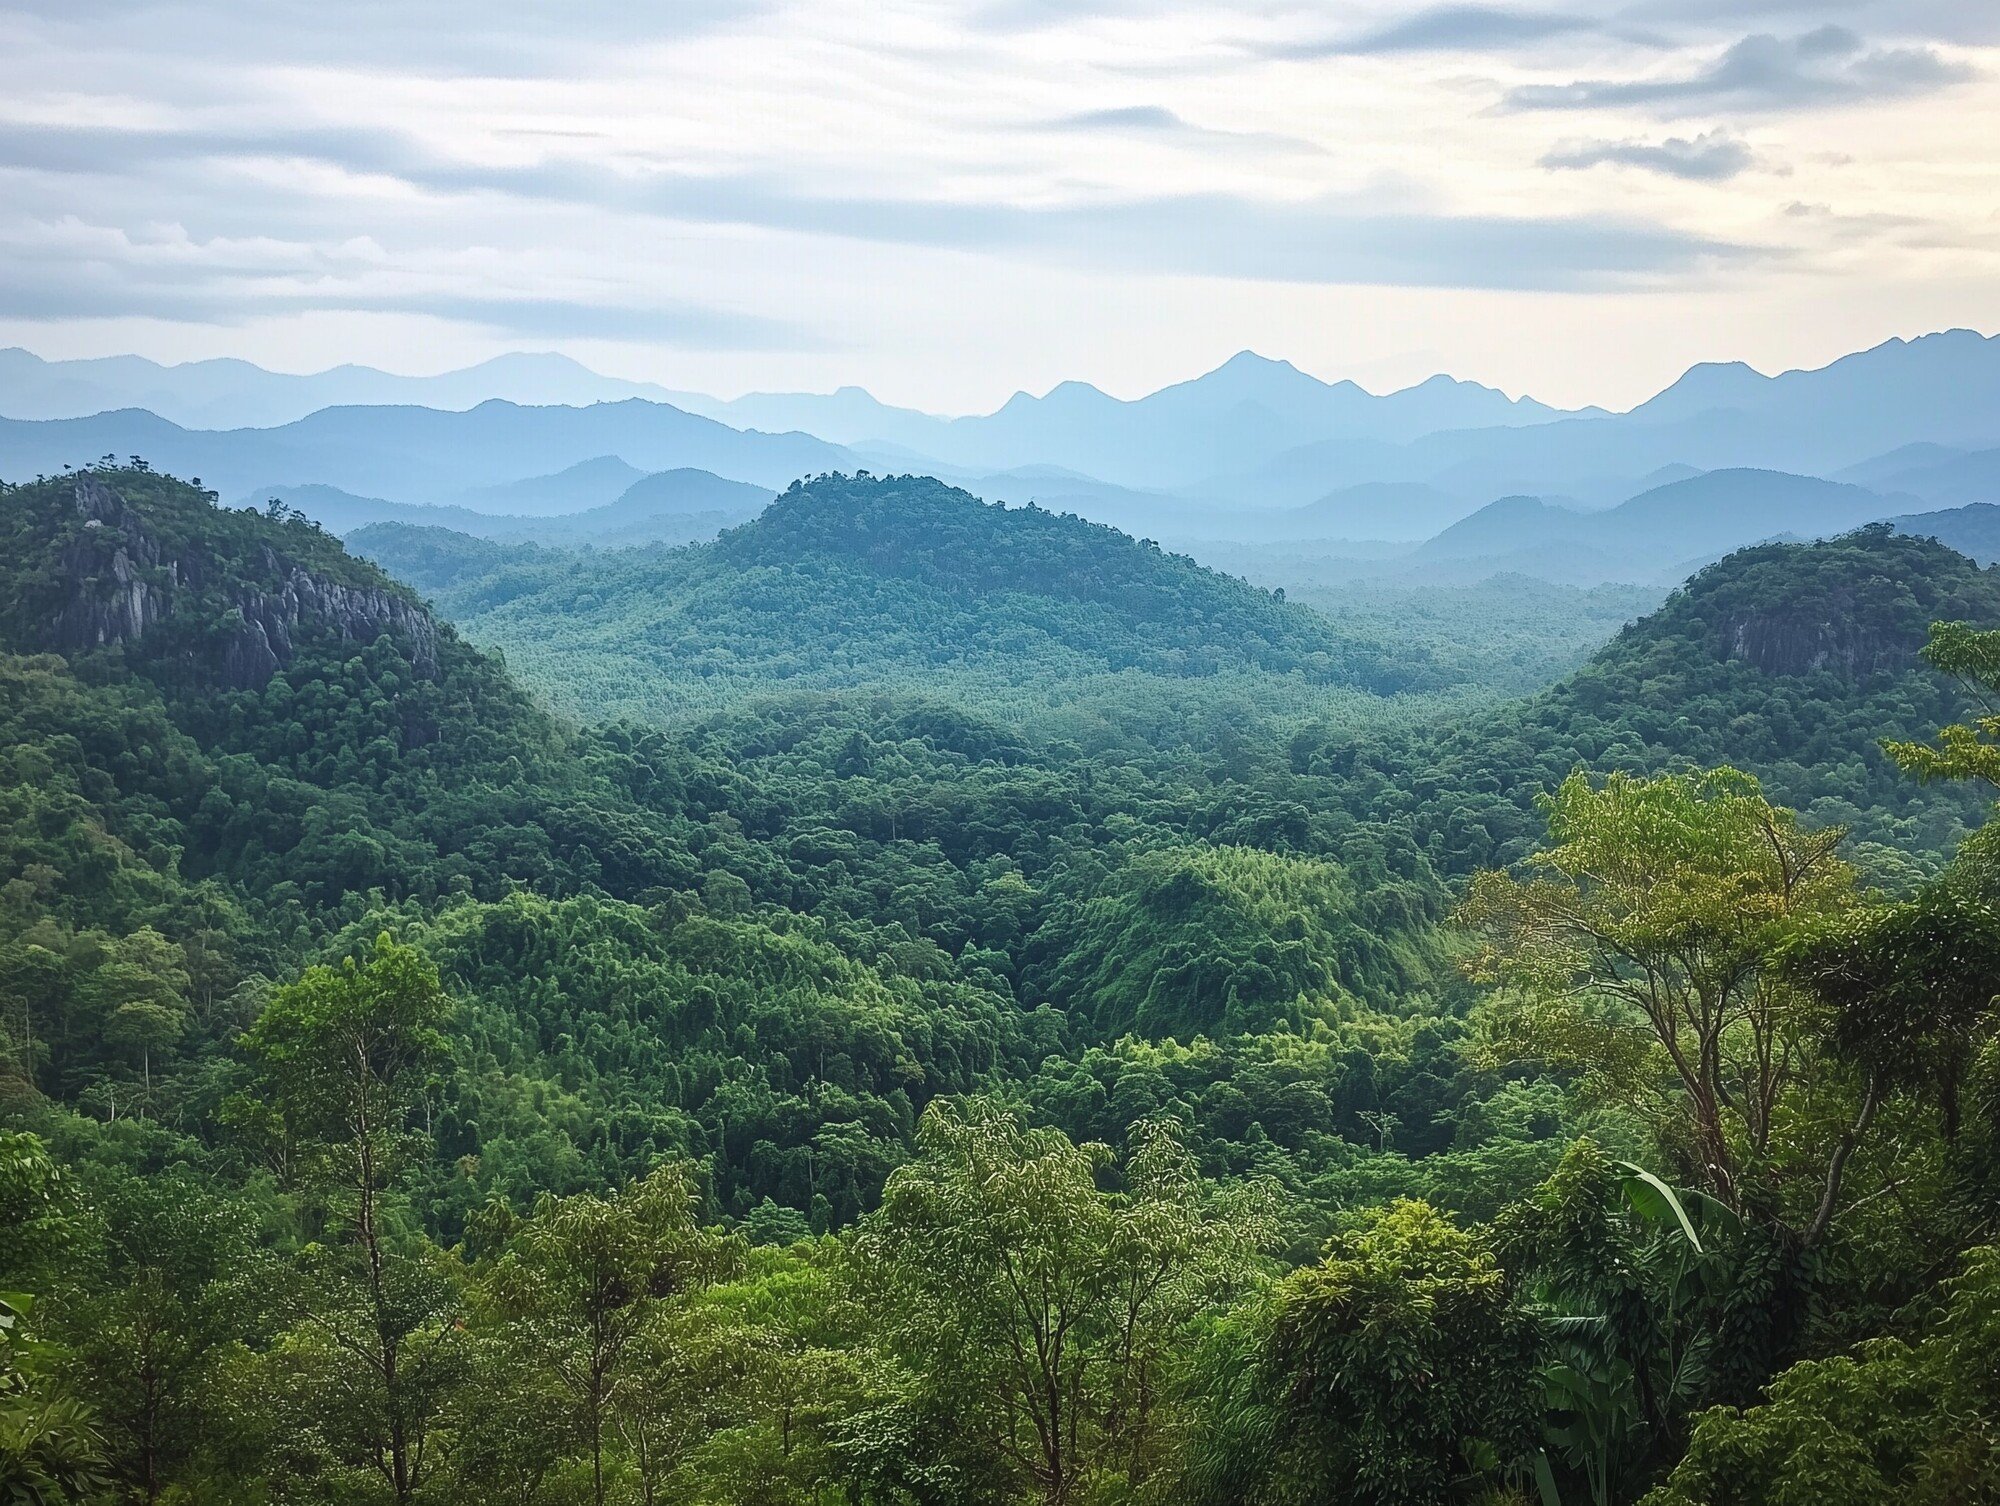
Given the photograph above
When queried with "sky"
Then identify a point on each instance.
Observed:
(949, 202)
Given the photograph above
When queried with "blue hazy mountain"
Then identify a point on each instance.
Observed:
(230, 394)
(1949, 478)
(1658, 534)
(1245, 410)
(1221, 456)
(668, 507)
(419, 454)
(596, 482)
(1972, 530)
(1940, 390)
(1904, 458)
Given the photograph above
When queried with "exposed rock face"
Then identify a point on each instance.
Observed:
(116, 594)
(121, 588)
(1831, 636)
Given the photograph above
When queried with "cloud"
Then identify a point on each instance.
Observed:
(72, 270)
(1712, 157)
(1829, 65)
(1126, 117)
(1162, 124)
(1453, 28)
(1325, 240)
(1958, 22)
(437, 38)
(1329, 239)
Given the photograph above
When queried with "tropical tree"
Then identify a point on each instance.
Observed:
(49, 1447)
(173, 1278)
(1893, 1420)
(1395, 1372)
(1035, 1308)
(1964, 750)
(582, 1277)
(50, 1450)
(1640, 950)
(343, 1060)
(1630, 1280)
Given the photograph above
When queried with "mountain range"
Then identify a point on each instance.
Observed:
(231, 394)
(421, 454)
(853, 581)
(678, 506)
(1254, 452)
(1662, 533)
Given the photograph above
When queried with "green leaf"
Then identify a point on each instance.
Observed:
(1545, 1480)
(1653, 1199)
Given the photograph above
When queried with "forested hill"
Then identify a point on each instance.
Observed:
(1792, 661)
(239, 699)
(766, 942)
(390, 1052)
(885, 583)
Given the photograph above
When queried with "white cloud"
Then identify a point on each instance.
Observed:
(949, 200)
(1828, 65)
(1712, 157)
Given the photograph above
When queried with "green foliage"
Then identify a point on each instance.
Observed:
(856, 580)
(1792, 662)
(1649, 954)
(1911, 986)
(1629, 1279)
(341, 1058)
(49, 1450)
(1011, 1072)
(1221, 941)
(1036, 1311)
(1894, 1420)
(1394, 1372)
(49, 1447)
(583, 1276)
(601, 1036)
(1964, 750)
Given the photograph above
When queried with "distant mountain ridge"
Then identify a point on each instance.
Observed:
(1253, 450)
(233, 394)
(1973, 530)
(668, 507)
(1660, 534)
(1248, 407)
(423, 455)
(1941, 389)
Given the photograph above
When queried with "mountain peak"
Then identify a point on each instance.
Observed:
(1250, 360)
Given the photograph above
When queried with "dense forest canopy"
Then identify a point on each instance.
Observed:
(978, 1009)
(854, 581)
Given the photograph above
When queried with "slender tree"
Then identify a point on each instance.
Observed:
(1642, 949)
(583, 1276)
(344, 1057)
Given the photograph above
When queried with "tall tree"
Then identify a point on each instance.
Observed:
(1037, 1305)
(344, 1058)
(50, 1450)
(173, 1279)
(1642, 948)
(1396, 1372)
(583, 1276)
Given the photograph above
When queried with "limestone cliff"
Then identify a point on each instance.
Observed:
(121, 580)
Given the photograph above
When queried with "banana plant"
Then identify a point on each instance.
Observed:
(1622, 1269)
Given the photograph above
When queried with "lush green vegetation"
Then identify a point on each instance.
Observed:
(1792, 662)
(881, 1085)
(845, 582)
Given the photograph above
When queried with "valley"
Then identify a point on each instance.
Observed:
(543, 867)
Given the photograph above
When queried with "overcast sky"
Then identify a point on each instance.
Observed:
(945, 202)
